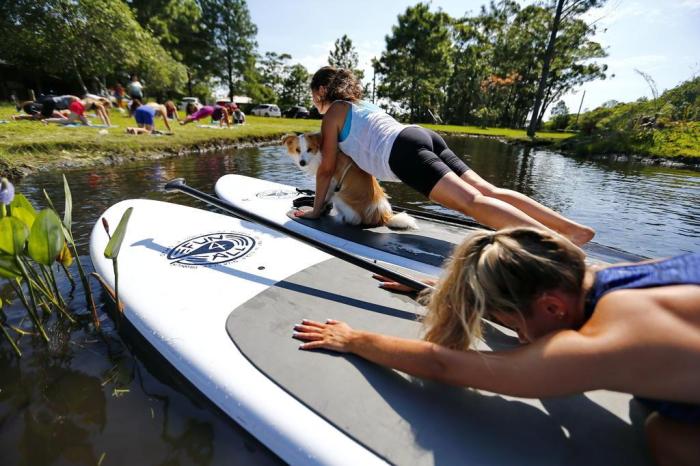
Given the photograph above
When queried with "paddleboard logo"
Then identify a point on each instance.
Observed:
(277, 194)
(212, 249)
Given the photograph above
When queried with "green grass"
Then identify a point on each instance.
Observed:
(30, 145)
(507, 133)
(675, 141)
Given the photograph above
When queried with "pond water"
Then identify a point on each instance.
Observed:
(93, 397)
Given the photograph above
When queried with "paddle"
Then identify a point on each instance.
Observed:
(179, 184)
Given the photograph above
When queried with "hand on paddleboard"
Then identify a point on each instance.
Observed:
(389, 284)
(331, 335)
(308, 214)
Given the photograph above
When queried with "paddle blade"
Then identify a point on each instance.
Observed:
(112, 249)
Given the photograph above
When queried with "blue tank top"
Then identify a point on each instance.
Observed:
(679, 270)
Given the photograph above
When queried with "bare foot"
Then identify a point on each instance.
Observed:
(581, 235)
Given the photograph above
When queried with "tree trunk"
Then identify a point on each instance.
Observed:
(229, 69)
(80, 78)
(189, 82)
(549, 53)
(546, 102)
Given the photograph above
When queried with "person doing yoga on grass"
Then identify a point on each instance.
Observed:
(145, 116)
(197, 112)
(419, 157)
(631, 328)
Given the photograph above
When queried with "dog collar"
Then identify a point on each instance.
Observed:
(303, 146)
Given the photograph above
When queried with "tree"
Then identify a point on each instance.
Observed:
(93, 38)
(652, 86)
(296, 87)
(344, 56)
(177, 24)
(560, 109)
(274, 71)
(233, 34)
(564, 9)
(416, 65)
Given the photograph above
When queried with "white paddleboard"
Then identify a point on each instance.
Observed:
(424, 250)
(218, 297)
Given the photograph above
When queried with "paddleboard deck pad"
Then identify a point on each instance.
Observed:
(423, 250)
(218, 298)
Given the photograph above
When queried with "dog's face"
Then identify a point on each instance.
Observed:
(305, 150)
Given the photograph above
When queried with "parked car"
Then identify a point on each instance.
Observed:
(297, 112)
(269, 110)
(188, 100)
(314, 114)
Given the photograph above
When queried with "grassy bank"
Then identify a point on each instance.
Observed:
(665, 127)
(542, 137)
(29, 145)
(679, 141)
(26, 146)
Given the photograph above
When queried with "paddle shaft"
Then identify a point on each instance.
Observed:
(180, 185)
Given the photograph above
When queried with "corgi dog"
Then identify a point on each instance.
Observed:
(356, 195)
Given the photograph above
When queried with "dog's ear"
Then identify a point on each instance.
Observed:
(313, 141)
(288, 138)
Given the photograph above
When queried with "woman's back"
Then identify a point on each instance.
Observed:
(651, 311)
(368, 136)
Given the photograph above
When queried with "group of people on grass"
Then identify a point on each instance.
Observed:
(631, 328)
(65, 109)
(146, 115)
(71, 110)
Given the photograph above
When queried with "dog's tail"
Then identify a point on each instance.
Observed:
(401, 221)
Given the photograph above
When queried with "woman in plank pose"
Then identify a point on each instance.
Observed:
(631, 328)
(197, 112)
(145, 116)
(391, 151)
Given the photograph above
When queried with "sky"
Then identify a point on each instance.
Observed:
(661, 38)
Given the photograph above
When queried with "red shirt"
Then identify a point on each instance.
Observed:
(77, 107)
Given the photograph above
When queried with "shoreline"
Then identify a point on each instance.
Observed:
(83, 158)
(79, 159)
(30, 147)
(677, 161)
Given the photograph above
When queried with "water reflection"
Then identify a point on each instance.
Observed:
(88, 397)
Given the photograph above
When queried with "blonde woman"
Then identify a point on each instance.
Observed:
(631, 328)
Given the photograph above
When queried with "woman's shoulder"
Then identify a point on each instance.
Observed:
(337, 111)
(340, 104)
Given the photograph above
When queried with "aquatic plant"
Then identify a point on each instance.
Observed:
(33, 247)
(112, 250)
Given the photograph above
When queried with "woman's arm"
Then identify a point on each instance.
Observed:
(103, 115)
(330, 128)
(561, 363)
(164, 113)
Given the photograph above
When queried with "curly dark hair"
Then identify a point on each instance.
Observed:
(340, 84)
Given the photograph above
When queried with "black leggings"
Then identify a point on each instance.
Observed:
(420, 158)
